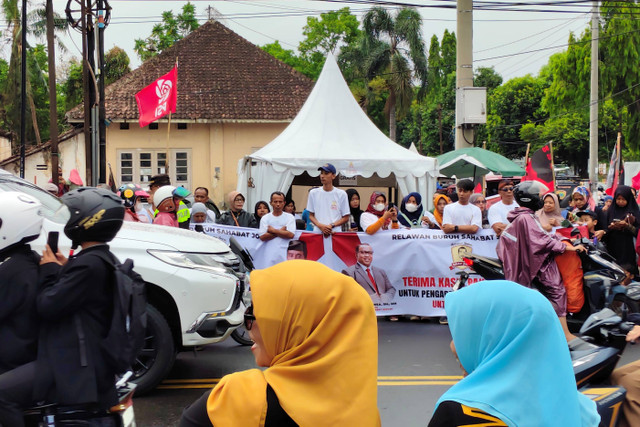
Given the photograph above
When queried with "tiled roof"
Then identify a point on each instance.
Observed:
(44, 146)
(221, 77)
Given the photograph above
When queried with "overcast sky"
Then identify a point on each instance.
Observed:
(502, 34)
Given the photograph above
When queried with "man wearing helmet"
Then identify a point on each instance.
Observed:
(527, 251)
(166, 202)
(75, 305)
(130, 194)
(20, 223)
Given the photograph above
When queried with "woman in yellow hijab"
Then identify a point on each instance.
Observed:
(316, 332)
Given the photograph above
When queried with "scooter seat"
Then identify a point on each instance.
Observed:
(580, 348)
(489, 260)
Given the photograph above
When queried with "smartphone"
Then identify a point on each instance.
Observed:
(616, 220)
(52, 241)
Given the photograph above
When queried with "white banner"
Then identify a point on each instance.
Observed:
(410, 271)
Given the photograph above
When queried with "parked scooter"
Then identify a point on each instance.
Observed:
(595, 355)
(240, 334)
(54, 415)
(602, 282)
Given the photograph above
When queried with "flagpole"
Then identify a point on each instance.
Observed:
(526, 158)
(553, 169)
(166, 158)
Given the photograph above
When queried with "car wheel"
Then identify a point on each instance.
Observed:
(241, 336)
(158, 354)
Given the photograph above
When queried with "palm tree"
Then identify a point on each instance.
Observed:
(35, 75)
(390, 47)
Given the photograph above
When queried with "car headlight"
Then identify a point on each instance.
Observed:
(207, 262)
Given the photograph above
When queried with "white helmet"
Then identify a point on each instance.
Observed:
(163, 193)
(20, 219)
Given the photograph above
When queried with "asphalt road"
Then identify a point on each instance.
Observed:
(415, 367)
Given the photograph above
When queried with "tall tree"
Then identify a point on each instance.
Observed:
(394, 49)
(172, 29)
(116, 64)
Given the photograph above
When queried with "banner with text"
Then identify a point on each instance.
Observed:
(409, 271)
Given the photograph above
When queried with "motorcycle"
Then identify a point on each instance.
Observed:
(602, 281)
(594, 357)
(240, 334)
(55, 415)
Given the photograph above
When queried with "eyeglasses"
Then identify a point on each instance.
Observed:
(249, 318)
(480, 202)
(506, 189)
(366, 252)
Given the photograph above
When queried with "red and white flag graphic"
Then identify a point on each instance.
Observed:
(159, 98)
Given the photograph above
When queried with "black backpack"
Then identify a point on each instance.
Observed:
(127, 331)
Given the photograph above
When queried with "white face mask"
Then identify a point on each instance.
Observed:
(379, 207)
(410, 207)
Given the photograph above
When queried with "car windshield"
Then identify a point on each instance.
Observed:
(52, 207)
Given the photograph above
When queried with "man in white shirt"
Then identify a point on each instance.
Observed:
(498, 212)
(277, 223)
(328, 206)
(461, 216)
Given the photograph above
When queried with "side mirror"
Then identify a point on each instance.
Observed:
(242, 253)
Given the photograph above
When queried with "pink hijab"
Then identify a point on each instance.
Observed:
(557, 213)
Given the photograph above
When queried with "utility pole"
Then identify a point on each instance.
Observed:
(464, 64)
(593, 113)
(53, 109)
(23, 88)
(102, 128)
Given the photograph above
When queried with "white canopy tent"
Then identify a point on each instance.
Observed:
(331, 127)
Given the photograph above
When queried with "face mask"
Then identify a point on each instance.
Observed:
(410, 207)
(379, 207)
(138, 207)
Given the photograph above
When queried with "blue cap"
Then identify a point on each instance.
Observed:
(328, 167)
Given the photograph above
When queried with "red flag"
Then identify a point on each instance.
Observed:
(540, 167)
(159, 98)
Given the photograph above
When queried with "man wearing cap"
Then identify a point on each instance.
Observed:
(183, 214)
(497, 214)
(328, 206)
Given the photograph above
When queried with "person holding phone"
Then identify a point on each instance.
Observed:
(378, 216)
(20, 223)
(622, 221)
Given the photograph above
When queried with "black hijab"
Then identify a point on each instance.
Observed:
(355, 212)
(255, 210)
(616, 212)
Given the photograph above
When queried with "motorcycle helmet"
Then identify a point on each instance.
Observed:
(130, 193)
(96, 215)
(20, 219)
(529, 194)
(163, 193)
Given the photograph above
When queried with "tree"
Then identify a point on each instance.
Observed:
(116, 64)
(512, 105)
(385, 44)
(72, 86)
(487, 77)
(164, 35)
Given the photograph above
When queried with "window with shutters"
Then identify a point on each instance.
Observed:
(138, 166)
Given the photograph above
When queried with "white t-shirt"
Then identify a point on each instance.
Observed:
(328, 206)
(457, 214)
(283, 220)
(366, 219)
(498, 212)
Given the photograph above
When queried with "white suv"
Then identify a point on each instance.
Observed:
(194, 282)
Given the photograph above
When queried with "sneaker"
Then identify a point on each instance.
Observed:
(444, 321)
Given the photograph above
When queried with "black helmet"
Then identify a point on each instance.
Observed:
(529, 194)
(96, 215)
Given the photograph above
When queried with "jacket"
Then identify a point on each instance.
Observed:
(18, 318)
(386, 290)
(244, 219)
(75, 304)
(526, 249)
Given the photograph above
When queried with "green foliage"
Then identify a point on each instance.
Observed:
(72, 87)
(116, 64)
(487, 77)
(164, 35)
(333, 29)
(393, 49)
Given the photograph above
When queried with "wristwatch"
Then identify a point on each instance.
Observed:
(455, 229)
(332, 225)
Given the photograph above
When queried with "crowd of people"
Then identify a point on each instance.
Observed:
(318, 350)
